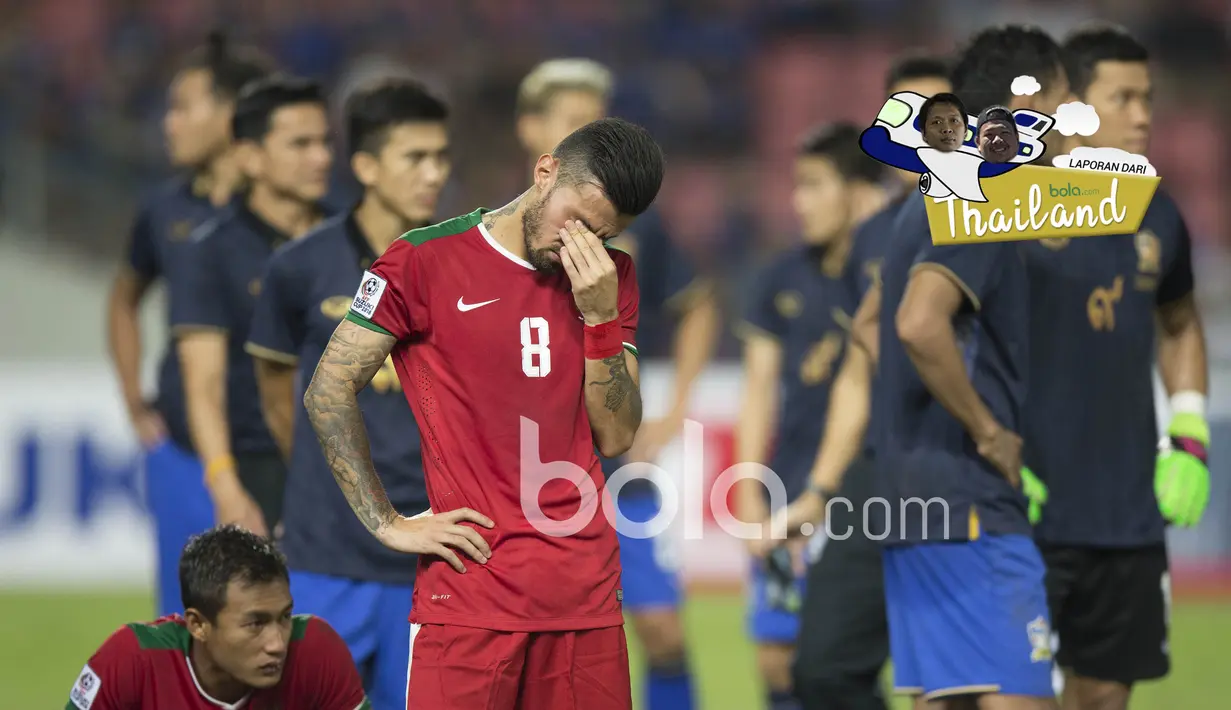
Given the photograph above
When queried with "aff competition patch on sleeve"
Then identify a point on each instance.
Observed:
(85, 689)
(368, 296)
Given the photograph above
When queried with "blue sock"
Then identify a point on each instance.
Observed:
(669, 689)
(782, 700)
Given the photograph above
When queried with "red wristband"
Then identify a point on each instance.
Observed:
(604, 340)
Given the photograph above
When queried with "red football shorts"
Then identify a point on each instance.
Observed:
(460, 668)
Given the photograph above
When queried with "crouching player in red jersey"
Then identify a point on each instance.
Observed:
(513, 334)
(237, 645)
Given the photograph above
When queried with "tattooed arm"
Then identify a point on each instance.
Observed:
(612, 385)
(613, 401)
(353, 356)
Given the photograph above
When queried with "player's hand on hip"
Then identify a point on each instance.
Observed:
(592, 273)
(1003, 449)
(234, 506)
(440, 534)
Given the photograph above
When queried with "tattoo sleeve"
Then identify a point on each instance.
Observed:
(613, 401)
(353, 356)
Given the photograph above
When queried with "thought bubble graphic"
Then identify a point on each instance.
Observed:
(1076, 118)
(1026, 85)
(1106, 160)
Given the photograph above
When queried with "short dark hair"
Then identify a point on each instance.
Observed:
(225, 554)
(994, 57)
(996, 114)
(942, 99)
(916, 65)
(1088, 45)
(230, 68)
(261, 99)
(372, 111)
(839, 143)
(620, 157)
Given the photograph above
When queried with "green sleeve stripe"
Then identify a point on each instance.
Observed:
(360, 320)
(632, 349)
(166, 635)
(299, 626)
(365, 705)
(447, 228)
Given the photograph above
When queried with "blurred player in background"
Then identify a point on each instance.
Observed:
(952, 339)
(237, 644)
(793, 331)
(198, 133)
(282, 137)
(1100, 312)
(843, 639)
(556, 98)
(400, 152)
(946, 327)
(538, 623)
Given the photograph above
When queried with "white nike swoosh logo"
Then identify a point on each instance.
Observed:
(463, 307)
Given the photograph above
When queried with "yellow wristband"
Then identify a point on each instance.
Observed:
(217, 465)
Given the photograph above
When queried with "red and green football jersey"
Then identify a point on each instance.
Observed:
(491, 358)
(146, 667)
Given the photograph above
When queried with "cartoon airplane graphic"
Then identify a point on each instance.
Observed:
(896, 139)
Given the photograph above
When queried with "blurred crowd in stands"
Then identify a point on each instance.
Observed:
(726, 85)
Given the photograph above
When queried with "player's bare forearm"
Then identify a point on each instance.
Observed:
(696, 337)
(276, 382)
(850, 406)
(750, 503)
(203, 357)
(353, 356)
(1181, 347)
(124, 333)
(759, 405)
(933, 349)
(865, 325)
(613, 402)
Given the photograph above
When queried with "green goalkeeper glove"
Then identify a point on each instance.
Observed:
(1036, 493)
(1181, 471)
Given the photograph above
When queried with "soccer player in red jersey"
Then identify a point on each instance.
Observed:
(513, 334)
(237, 645)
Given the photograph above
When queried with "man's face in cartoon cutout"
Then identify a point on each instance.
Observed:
(945, 127)
(997, 141)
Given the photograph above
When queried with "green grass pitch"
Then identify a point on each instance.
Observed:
(48, 637)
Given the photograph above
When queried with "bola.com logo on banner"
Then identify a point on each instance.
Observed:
(1069, 190)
